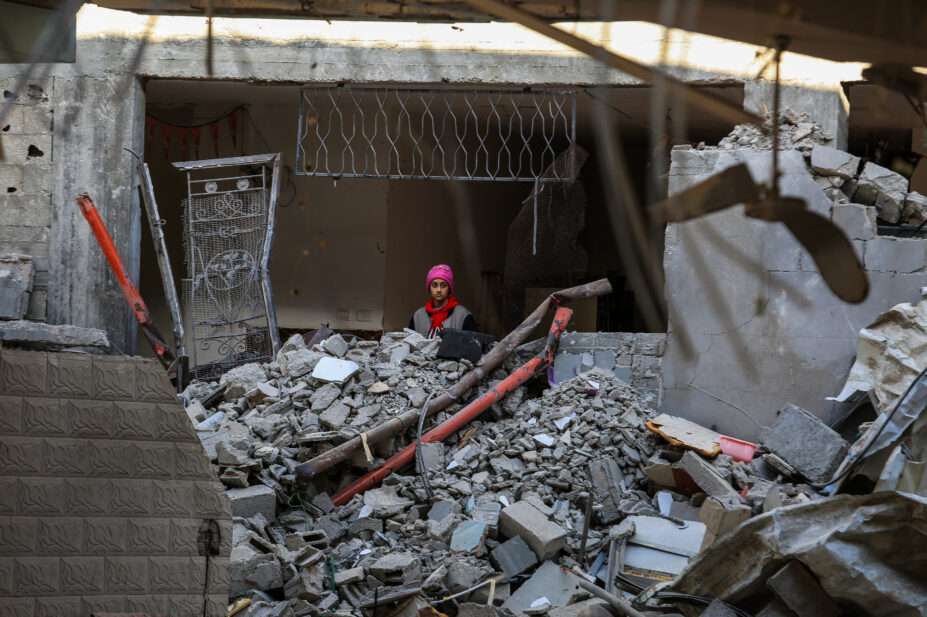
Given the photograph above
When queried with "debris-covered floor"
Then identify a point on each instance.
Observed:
(518, 512)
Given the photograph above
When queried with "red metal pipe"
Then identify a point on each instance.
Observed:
(460, 419)
(129, 289)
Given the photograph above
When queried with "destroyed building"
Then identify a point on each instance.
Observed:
(114, 500)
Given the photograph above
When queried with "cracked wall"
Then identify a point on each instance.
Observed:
(763, 329)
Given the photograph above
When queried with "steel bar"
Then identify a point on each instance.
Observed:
(695, 96)
(472, 411)
(145, 321)
(489, 362)
(269, 307)
(624, 609)
(164, 265)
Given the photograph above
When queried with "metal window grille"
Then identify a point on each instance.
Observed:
(229, 216)
(359, 132)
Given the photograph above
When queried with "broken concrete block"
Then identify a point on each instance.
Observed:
(354, 575)
(805, 443)
(800, 591)
(608, 487)
(884, 189)
(305, 585)
(721, 517)
(513, 557)
(900, 255)
(334, 370)
(16, 276)
(857, 221)
(378, 387)
(544, 537)
(258, 499)
(249, 569)
(397, 569)
(335, 416)
(324, 396)
(915, 208)
(335, 345)
(559, 587)
(832, 162)
(301, 361)
(432, 457)
(703, 476)
(242, 379)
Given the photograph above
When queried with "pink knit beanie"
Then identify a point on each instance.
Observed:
(443, 272)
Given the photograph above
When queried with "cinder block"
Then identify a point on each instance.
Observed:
(544, 537)
(11, 414)
(37, 576)
(126, 575)
(90, 418)
(69, 375)
(43, 416)
(86, 496)
(169, 574)
(104, 536)
(113, 378)
(149, 536)
(82, 575)
(246, 502)
(59, 535)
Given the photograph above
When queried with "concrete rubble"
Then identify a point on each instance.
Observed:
(510, 492)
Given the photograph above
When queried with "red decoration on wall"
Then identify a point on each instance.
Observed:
(149, 134)
(166, 134)
(182, 133)
(233, 127)
(214, 131)
(196, 132)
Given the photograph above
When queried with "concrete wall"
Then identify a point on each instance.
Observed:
(763, 327)
(104, 489)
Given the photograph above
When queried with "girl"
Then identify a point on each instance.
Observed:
(442, 310)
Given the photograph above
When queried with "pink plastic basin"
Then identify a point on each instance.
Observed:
(737, 449)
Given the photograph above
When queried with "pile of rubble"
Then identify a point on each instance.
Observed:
(580, 476)
(796, 131)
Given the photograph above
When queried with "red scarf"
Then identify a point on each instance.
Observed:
(439, 315)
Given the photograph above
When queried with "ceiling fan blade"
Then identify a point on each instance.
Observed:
(732, 186)
(829, 247)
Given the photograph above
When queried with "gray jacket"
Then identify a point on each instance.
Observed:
(459, 319)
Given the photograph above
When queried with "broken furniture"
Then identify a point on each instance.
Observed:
(457, 344)
(230, 214)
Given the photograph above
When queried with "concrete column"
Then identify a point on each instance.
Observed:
(96, 117)
(827, 105)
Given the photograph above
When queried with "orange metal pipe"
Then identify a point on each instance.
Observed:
(469, 413)
(129, 289)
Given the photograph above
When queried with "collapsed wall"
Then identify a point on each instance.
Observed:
(779, 334)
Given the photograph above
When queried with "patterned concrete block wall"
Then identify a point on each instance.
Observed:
(104, 492)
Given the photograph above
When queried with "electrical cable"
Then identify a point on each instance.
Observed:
(200, 125)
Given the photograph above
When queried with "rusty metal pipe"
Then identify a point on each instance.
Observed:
(472, 411)
(495, 357)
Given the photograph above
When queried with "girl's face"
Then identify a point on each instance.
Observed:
(439, 291)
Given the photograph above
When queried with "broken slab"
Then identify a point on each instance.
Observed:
(915, 208)
(545, 537)
(884, 189)
(608, 487)
(692, 474)
(468, 537)
(689, 435)
(832, 162)
(550, 581)
(513, 557)
(334, 370)
(38, 334)
(799, 590)
(808, 445)
(720, 517)
(249, 569)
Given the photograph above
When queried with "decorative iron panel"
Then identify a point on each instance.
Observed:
(361, 132)
(229, 217)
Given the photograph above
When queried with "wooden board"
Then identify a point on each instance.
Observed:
(682, 432)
